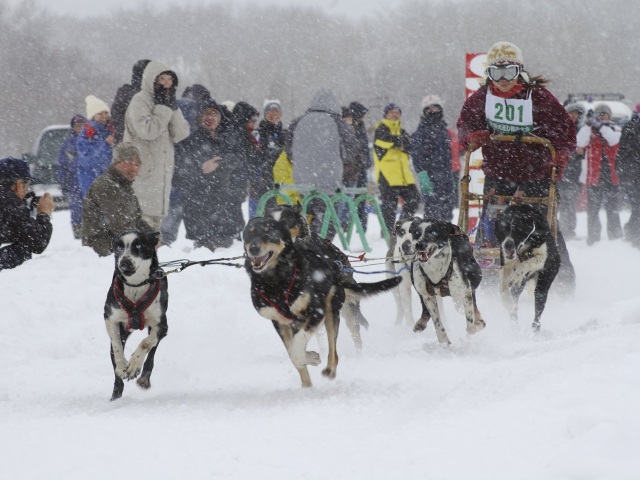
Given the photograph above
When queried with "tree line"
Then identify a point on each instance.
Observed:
(50, 62)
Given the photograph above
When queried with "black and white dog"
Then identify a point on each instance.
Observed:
(528, 251)
(293, 219)
(444, 265)
(137, 299)
(298, 286)
(399, 259)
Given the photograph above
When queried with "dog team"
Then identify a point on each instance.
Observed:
(301, 281)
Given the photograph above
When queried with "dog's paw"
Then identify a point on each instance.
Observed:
(132, 371)
(329, 372)
(312, 358)
(120, 371)
(144, 382)
(421, 324)
(476, 326)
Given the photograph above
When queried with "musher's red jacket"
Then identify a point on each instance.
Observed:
(520, 162)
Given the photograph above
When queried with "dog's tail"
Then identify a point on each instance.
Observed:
(362, 290)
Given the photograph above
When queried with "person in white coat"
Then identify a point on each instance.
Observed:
(154, 123)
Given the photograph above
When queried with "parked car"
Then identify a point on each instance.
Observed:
(43, 162)
(620, 108)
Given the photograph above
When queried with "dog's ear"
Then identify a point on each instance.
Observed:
(152, 237)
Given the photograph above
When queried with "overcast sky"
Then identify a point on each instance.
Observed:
(349, 8)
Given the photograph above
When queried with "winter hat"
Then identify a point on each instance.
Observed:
(391, 106)
(357, 110)
(209, 103)
(243, 112)
(13, 169)
(603, 108)
(504, 52)
(196, 92)
(95, 106)
(271, 105)
(575, 107)
(76, 119)
(431, 100)
(126, 152)
(229, 105)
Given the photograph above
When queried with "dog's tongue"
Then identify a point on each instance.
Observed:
(259, 261)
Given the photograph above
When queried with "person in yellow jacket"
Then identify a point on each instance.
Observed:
(283, 174)
(391, 146)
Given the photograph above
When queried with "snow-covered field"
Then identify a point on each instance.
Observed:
(226, 401)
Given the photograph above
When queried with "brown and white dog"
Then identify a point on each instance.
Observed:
(298, 286)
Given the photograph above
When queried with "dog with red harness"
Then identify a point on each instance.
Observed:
(137, 300)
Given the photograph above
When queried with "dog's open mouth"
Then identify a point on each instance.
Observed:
(425, 255)
(258, 263)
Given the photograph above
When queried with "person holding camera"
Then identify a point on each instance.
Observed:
(599, 139)
(26, 228)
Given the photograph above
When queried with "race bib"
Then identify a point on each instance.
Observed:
(509, 115)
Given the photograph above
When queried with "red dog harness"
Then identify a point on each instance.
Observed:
(135, 311)
(286, 295)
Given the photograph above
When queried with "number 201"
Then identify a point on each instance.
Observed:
(509, 112)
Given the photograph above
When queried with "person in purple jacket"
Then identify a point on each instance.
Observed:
(513, 103)
(68, 173)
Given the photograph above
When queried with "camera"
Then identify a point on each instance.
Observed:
(32, 200)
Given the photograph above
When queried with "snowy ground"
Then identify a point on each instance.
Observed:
(226, 401)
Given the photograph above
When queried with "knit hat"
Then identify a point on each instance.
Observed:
(209, 103)
(95, 106)
(126, 152)
(229, 104)
(357, 110)
(14, 168)
(431, 100)
(504, 52)
(271, 105)
(603, 108)
(76, 119)
(391, 106)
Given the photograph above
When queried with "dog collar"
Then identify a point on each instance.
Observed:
(135, 311)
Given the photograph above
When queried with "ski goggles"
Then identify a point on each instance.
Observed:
(503, 72)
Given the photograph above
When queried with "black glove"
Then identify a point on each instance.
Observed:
(165, 96)
(594, 123)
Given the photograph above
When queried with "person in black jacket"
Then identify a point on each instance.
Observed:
(208, 174)
(628, 167)
(26, 233)
(569, 186)
(123, 97)
(271, 138)
(246, 151)
(431, 155)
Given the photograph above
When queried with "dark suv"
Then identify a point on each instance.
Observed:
(44, 162)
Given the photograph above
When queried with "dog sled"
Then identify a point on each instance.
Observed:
(488, 206)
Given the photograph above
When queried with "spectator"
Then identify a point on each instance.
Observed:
(189, 104)
(511, 167)
(68, 173)
(123, 97)
(320, 144)
(24, 233)
(245, 151)
(431, 152)
(153, 123)
(391, 147)
(569, 186)
(210, 176)
(362, 160)
(271, 138)
(95, 143)
(599, 139)
(111, 206)
(628, 167)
